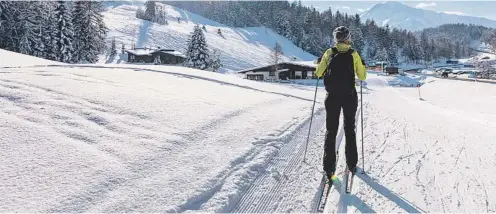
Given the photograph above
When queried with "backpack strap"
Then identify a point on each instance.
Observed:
(334, 52)
(350, 51)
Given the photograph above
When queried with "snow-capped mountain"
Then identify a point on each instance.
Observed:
(239, 48)
(398, 15)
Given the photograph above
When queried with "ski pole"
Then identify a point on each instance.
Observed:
(361, 118)
(311, 118)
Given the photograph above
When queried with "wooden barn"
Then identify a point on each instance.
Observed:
(285, 71)
(157, 56)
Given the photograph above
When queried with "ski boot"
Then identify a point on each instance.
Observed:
(331, 177)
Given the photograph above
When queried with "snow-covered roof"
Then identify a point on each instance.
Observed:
(304, 63)
(141, 51)
(172, 52)
(148, 52)
(299, 63)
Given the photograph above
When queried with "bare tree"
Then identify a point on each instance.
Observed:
(275, 58)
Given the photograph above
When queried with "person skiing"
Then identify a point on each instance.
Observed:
(338, 67)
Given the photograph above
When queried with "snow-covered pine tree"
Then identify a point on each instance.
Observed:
(64, 33)
(123, 48)
(113, 48)
(197, 53)
(150, 11)
(215, 62)
(357, 38)
(35, 19)
(393, 53)
(7, 24)
(89, 31)
(49, 26)
(382, 55)
(424, 44)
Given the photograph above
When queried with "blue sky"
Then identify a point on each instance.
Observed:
(486, 9)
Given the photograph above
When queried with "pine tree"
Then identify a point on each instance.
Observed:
(123, 49)
(113, 48)
(64, 34)
(150, 12)
(393, 53)
(197, 53)
(89, 31)
(382, 55)
(49, 27)
(7, 24)
(215, 62)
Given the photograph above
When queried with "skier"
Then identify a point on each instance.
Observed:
(338, 67)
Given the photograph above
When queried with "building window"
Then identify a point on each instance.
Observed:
(272, 73)
(255, 76)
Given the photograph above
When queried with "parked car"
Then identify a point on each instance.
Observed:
(391, 70)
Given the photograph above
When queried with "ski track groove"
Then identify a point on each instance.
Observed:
(266, 180)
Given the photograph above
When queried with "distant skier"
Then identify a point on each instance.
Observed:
(338, 67)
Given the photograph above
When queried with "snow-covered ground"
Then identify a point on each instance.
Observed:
(434, 154)
(123, 138)
(128, 138)
(239, 48)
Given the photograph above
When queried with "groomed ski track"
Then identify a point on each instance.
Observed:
(274, 191)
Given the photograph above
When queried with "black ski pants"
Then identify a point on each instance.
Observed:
(333, 105)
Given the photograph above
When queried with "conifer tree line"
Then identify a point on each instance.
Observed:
(311, 30)
(65, 31)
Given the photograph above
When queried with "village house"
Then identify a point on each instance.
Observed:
(157, 56)
(285, 71)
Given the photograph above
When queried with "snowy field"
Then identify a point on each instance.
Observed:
(123, 138)
(128, 138)
(434, 154)
(239, 48)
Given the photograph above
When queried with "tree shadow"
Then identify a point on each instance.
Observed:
(397, 199)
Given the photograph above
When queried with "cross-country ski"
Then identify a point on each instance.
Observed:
(247, 107)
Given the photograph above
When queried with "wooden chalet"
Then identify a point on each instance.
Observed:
(157, 56)
(285, 71)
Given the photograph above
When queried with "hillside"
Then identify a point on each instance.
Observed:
(401, 16)
(240, 48)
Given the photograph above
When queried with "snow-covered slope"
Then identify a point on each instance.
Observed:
(12, 59)
(401, 16)
(145, 138)
(240, 48)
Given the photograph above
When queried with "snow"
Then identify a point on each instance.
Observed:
(130, 138)
(12, 59)
(239, 48)
(141, 51)
(146, 138)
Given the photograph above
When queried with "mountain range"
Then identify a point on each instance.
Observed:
(402, 16)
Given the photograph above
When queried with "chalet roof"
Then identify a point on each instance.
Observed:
(300, 65)
(141, 51)
(149, 52)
